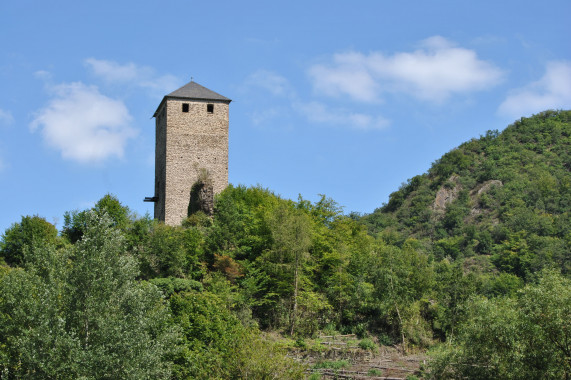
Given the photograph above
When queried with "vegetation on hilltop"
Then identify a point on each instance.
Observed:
(457, 255)
(505, 200)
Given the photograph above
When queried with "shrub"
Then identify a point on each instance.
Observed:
(367, 344)
(375, 372)
(335, 365)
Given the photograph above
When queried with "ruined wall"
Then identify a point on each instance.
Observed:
(160, 163)
(195, 140)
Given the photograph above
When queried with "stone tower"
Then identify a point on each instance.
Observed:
(191, 141)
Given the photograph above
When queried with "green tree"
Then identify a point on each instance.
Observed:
(403, 277)
(75, 221)
(21, 236)
(172, 251)
(217, 346)
(291, 241)
(526, 337)
(119, 214)
(80, 313)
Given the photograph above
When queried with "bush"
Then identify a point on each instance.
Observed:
(367, 344)
(375, 372)
(335, 365)
(525, 337)
(300, 343)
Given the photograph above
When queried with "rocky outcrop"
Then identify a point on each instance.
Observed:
(478, 191)
(447, 194)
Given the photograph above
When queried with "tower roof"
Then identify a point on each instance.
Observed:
(193, 91)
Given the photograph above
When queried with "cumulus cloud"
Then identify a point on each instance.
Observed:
(434, 72)
(349, 75)
(132, 74)
(6, 117)
(321, 113)
(83, 124)
(552, 91)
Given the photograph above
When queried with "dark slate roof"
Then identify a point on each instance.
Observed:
(195, 91)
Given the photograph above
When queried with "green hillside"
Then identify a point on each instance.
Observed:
(503, 200)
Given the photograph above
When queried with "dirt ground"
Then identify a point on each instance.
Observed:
(342, 358)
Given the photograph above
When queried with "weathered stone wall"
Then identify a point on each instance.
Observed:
(160, 163)
(201, 198)
(195, 140)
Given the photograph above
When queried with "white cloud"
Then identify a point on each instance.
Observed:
(321, 113)
(130, 73)
(264, 116)
(271, 82)
(434, 72)
(6, 117)
(552, 91)
(83, 124)
(349, 75)
(315, 112)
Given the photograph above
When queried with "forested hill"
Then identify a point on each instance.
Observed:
(506, 196)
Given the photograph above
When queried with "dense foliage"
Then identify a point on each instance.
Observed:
(513, 338)
(79, 313)
(507, 198)
(475, 253)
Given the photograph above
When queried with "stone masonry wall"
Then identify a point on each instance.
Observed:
(195, 140)
(160, 163)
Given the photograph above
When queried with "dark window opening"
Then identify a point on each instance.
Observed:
(184, 107)
(210, 108)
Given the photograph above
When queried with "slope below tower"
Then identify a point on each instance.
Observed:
(191, 141)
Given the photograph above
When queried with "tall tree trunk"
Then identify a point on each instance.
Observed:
(295, 285)
(401, 329)
(399, 317)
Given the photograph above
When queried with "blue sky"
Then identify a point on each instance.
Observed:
(346, 99)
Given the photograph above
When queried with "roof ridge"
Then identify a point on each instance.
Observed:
(193, 90)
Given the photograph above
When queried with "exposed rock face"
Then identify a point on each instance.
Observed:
(446, 195)
(478, 191)
(449, 192)
(486, 186)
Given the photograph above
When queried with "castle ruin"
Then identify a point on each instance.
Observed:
(191, 145)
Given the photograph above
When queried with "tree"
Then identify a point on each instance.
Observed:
(119, 214)
(218, 346)
(404, 276)
(75, 221)
(21, 236)
(285, 261)
(172, 251)
(526, 337)
(80, 313)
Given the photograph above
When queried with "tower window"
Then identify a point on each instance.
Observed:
(210, 108)
(184, 107)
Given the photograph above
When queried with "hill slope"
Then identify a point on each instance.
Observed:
(505, 195)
